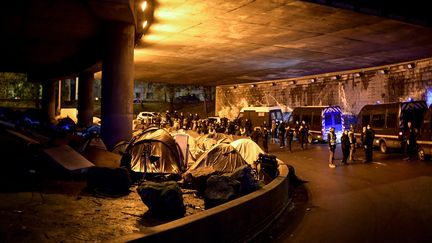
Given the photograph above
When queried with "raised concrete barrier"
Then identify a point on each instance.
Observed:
(235, 221)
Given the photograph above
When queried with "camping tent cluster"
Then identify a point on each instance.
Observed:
(156, 150)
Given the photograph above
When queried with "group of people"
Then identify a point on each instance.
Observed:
(349, 144)
(281, 133)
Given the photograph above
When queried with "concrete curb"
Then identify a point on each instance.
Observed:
(236, 221)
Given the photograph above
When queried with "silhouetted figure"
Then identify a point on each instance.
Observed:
(256, 135)
(369, 139)
(411, 136)
(281, 132)
(266, 137)
(289, 136)
(352, 141)
(345, 145)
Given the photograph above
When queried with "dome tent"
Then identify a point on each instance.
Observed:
(207, 141)
(248, 149)
(222, 157)
(158, 149)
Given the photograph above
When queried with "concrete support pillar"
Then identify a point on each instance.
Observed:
(85, 99)
(49, 100)
(117, 83)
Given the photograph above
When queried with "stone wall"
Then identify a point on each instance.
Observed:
(351, 90)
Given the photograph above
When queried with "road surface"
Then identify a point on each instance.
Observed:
(389, 200)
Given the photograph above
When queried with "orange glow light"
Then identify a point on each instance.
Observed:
(143, 5)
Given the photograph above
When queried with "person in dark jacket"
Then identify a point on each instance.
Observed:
(305, 134)
(369, 139)
(256, 135)
(281, 132)
(345, 145)
(289, 136)
(266, 137)
(248, 127)
(352, 141)
(411, 140)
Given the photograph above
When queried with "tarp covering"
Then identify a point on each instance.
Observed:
(248, 149)
(205, 142)
(222, 157)
(159, 151)
(193, 150)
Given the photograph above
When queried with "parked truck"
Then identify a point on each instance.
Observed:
(424, 139)
(319, 120)
(260, 114)
(389, 121)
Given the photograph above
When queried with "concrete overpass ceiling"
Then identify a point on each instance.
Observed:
(217, 42)
(223, 42)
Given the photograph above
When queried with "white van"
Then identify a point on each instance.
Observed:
(258, 114)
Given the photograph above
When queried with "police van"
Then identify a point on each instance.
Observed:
(424, 139)
(260, 114)
(389, 121)
(319, 120)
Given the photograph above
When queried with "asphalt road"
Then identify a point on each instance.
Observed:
(389, 200)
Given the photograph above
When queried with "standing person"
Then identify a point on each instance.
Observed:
(242, 131)
(363, 140)
(300, 135)
(265, 139)
(256, 134)
(352, 141)
(305, 133)
(331, 138)
(345, 145)
(369, 139)
(289, 136)
(411, 136)
(273, 131)
(248, 126)
(281, 134)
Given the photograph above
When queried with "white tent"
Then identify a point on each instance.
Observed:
(222, 157)
(248, 149)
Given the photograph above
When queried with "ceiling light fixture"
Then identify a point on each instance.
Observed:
(384, 71)
(411, 65)
(143, 5)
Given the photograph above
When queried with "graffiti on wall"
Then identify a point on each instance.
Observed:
(350, 90)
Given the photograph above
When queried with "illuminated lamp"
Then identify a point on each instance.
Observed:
(143, 5)
(336, 77)
(253, 85)
(384, 71)
(312, 80)
(411, 66)
(144, 25)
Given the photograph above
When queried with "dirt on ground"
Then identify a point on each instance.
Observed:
(64, 212)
